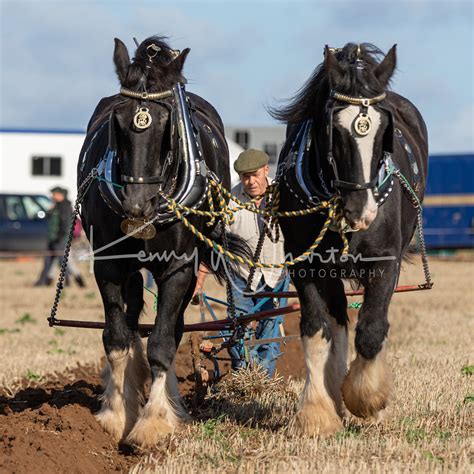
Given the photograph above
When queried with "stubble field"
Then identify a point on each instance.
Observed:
(47, 401)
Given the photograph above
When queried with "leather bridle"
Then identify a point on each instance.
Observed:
(144, 98)
(363, 121)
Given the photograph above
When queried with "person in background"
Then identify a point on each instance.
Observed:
(252, 167)
(59, 219)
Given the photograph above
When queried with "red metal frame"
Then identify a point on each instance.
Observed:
(294, 294)
(145, 329)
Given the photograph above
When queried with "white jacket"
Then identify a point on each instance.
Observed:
(246, 226)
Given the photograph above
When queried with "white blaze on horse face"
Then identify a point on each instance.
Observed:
(365, 144)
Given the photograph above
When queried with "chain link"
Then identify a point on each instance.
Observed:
(81, 192)
(419, 224)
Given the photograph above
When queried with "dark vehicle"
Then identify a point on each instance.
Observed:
(448, 208)
(23, 223)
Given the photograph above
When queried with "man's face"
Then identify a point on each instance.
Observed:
(57, 197)
(255, 182)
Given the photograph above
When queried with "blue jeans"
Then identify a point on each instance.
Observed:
(267, 354)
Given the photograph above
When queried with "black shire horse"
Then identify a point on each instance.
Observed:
(150, 140)
(345, 133)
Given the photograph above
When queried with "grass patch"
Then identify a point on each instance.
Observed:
(469, 398)
(413, 435)
(467, 370)
(56, 350)
(26, 319)
(209, 429)
(431, 457)
(443, 435)
(412, 432)
(352, 431)
(32, 376)
(8, 331)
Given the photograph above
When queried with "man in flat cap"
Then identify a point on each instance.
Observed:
(252, 167)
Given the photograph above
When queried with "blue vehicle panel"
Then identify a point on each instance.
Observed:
(448, 210)
(23, 224)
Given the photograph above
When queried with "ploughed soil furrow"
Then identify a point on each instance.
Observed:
(49, 425)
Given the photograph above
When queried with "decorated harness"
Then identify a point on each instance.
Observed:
(310, 182)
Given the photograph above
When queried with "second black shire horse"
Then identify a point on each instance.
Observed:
(149, 142)
(346, 134)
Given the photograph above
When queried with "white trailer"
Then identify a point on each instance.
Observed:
(34, 161)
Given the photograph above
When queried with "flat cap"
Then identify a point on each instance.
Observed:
(250, 160)
(58, 189)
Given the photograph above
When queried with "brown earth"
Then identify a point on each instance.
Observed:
(50, 426)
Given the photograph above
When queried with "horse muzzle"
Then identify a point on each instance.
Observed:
(360, 220)
(136, 204)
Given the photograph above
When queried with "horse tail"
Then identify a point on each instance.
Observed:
(217, 263)
(410, 254)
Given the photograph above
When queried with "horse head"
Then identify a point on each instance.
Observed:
(358, 127)
(141, 124)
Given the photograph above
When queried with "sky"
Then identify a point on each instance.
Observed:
(56, 56)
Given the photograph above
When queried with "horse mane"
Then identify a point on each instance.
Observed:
(160, 73)
(311, 98)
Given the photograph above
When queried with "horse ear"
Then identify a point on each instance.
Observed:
(121, 60)
(332, 66)
(177, 64)
(383, 72)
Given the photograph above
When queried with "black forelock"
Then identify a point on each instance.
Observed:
(359, 81)
(312, 97)
(159, 75)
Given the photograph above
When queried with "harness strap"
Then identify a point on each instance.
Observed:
(357, 186)
(363, 101)
(145, 95)
(415, 172)
(142, 179)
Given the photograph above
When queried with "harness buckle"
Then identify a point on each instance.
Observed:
(365, 102)
(144, 95)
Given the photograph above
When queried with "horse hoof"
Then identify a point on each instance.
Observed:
(112, 422)
(315, 420)
(147, 432)
(366, 388)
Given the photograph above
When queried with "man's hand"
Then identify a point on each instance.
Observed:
(199, 284)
